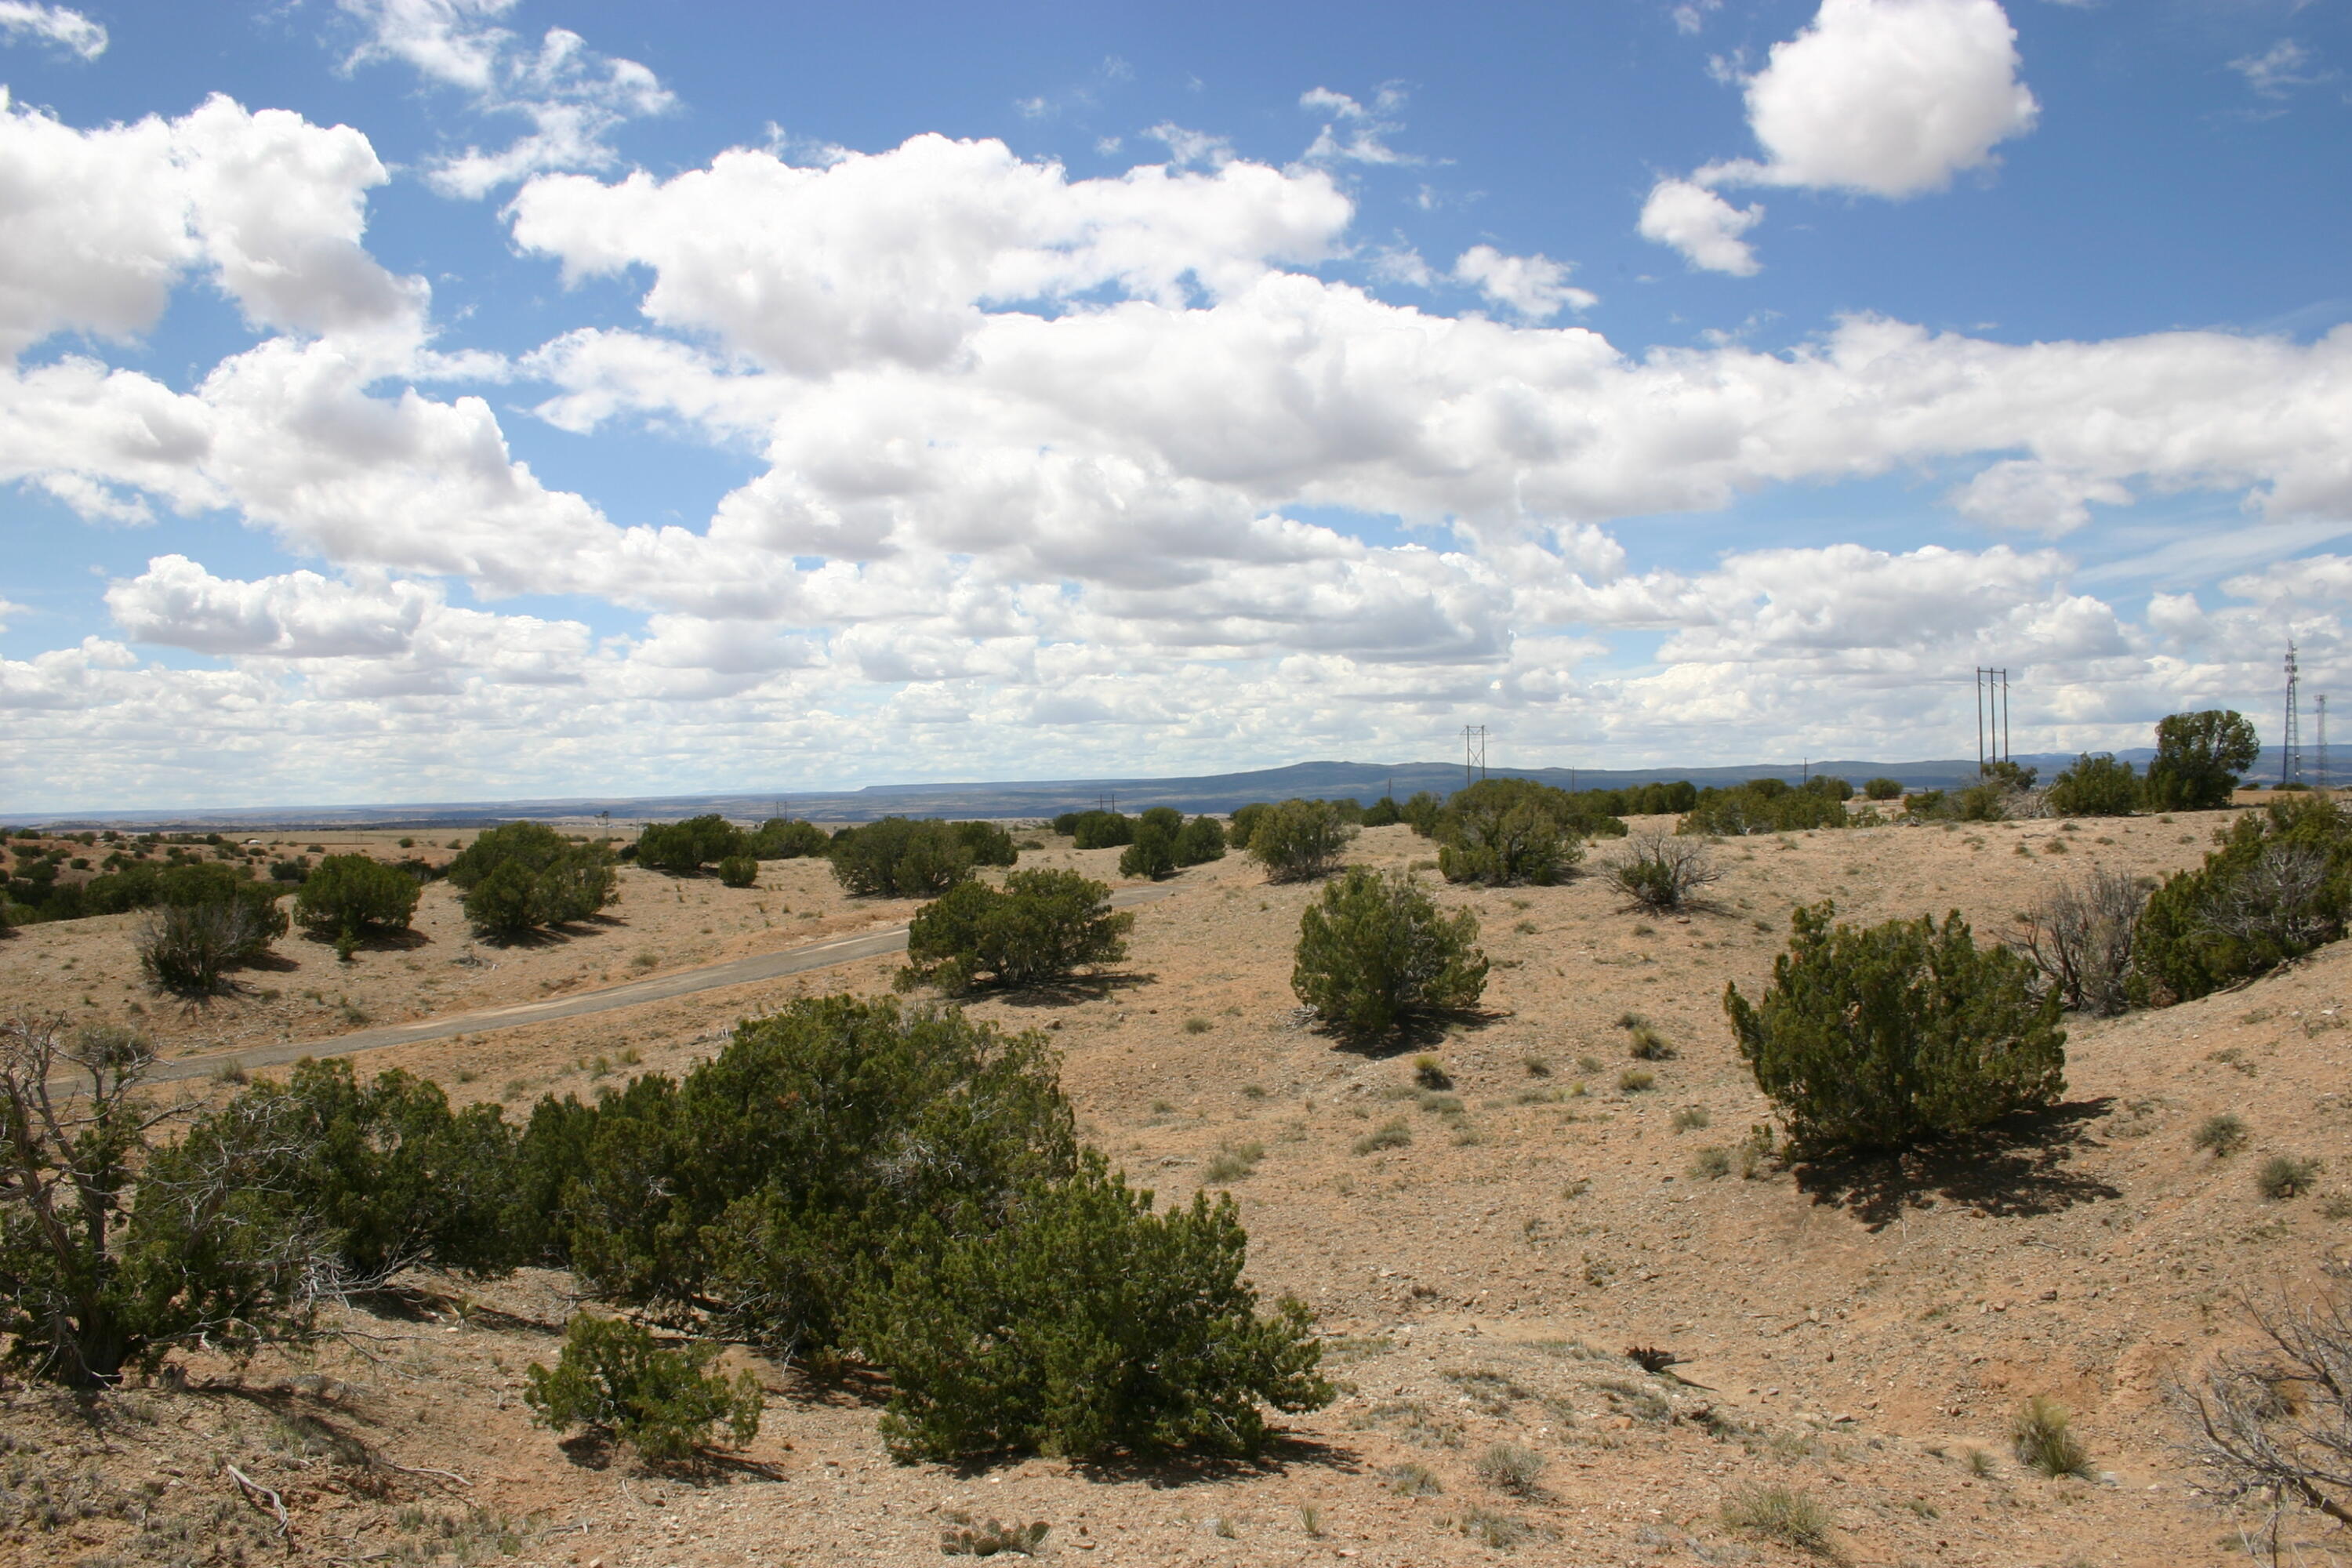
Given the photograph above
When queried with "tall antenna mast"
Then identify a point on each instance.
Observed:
(1474, 753)
(2291, 742)
(2320, 702)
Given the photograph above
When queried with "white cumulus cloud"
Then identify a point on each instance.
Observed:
(55, 24)
(1701, 224)
(1535, 288)
(1882, 98)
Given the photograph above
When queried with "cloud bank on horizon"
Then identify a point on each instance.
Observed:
(488, 424)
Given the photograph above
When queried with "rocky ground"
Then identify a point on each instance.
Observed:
(1480, 1257)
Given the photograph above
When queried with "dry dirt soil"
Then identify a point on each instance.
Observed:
(1861, 1337)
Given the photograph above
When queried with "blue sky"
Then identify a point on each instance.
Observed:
(432, 399)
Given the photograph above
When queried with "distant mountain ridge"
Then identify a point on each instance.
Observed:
(1045, 797)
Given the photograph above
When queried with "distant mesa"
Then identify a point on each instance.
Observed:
(1366, 782)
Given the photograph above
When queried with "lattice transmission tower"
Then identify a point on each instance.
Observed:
(2291, 735)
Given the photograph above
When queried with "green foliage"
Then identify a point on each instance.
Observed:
(789, 838)
(739, 871)
(2198, 759)
(205, 926)
(1375, 951)
(1167, 818)
(1101, 830)
(766, 1189)
(1153, 854)
(385, 1173)
(1383, 813)
(2096, 785)
(989, 844)
(1421, 810)
(1766, 806)
(1244, 822)
(354, 895)
(1637, 800)
(1888, 1037)
(1040, 927)
(899, 858)
(2278, 885)
(114, 1250)
(1201, 841)
(2044, 1440)
(1502, 832)
(520, 876)
(1883, 788)
(2222, 1134)
(1085, 1324)
(2284, 1177)
(684, 849)
(1299, 840)
(612, 1378)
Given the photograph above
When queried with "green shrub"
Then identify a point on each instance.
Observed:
(2279, 884)
(782, 838)
(2044, 1440)
(1299, 840)
(684, 849)
(2198, 759)
(1201, 841)
(611, 1378)
(899, 857)
(739, 871)
(520, 876)
(1383, 813)
(190, 948)
(1766, 806)
(352, 895)
(990, 844)
(1662, 874)
(1883, 788)
(766, 1189)
(1504, 831)
(1898, 1034)
(386, 1173)
(1375, 952)
(1039, 927)
(2283, 1176)
(1085, 1324)
(1391, 1134)
(2095, 786)
(1153, 854)
(1101, 830)
(1244, 821)
(114, 1250)
(1167, 818)
(1422, 811)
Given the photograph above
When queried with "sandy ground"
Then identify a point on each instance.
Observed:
(1861, 1339)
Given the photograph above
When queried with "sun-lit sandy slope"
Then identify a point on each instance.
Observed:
(1853, 1335)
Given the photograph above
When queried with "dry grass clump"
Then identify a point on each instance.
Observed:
(1231, 1161)
(1634, 1080)
(2223, 1134)
(1778, 1513)
(1412, 1480)
(1691, 1116)
(1711, 1163)
(1393, 1134)
(2045, 1442)
(1647, 1044)
(1511, 1468)
(1430, 1073)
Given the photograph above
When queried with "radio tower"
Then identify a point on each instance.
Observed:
(2291, 740)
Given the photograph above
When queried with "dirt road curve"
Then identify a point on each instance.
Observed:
(661, 988)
